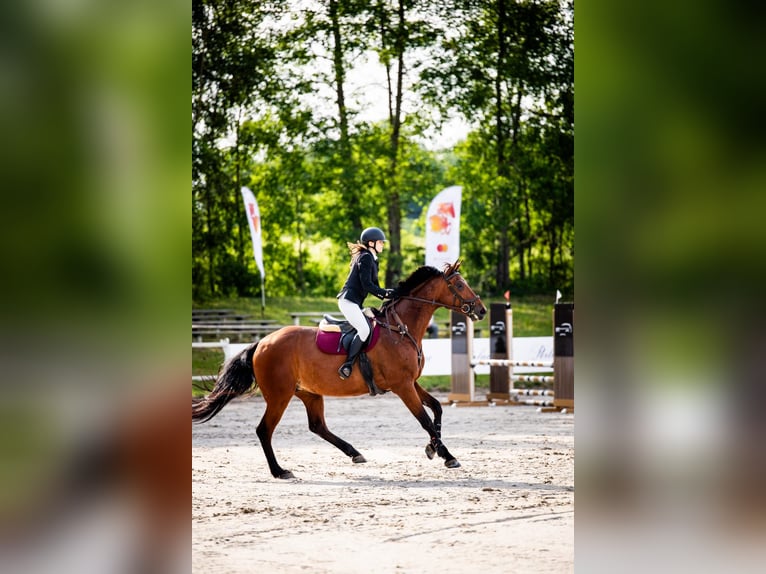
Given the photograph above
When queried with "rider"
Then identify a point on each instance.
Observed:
(362, 279)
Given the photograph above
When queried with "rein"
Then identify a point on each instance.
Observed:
(403, 330)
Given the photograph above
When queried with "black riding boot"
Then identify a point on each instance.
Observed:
(353, 351)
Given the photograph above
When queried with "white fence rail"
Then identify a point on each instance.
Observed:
(438, 354)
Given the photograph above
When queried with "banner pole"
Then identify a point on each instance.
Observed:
(263, 297)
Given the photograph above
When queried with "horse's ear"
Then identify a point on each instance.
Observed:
(456, 265)
(450, 268)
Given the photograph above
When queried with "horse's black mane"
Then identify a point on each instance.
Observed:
(416, 279)
(420, 276)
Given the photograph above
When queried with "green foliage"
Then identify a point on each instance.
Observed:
(272, 110)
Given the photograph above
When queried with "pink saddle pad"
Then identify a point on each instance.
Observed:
(328, 342)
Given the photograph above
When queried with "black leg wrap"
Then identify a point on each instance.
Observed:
(366, 368)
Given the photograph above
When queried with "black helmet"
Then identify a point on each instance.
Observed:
(372, 234)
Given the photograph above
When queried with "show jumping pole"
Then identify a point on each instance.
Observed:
(502, 362)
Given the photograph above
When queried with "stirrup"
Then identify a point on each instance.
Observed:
(345, 370)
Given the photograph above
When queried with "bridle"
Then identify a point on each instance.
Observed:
(467, 306)
(459, 303)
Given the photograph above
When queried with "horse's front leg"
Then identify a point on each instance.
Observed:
(415, 400)
(432, 403)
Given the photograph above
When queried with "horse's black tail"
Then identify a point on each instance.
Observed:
(235, 378)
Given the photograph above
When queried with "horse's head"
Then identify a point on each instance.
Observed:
(446, 288)
(465, 299)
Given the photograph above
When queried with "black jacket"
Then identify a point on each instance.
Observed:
(362, 279)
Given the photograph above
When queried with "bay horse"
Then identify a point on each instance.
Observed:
(287, 363)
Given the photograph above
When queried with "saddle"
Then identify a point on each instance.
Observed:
(334, 335)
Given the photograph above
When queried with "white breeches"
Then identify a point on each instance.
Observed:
(354, 315)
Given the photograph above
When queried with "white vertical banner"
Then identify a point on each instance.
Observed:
(254, 220)
(443, 227)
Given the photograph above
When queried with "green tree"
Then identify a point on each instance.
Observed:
(329, 36)
(502, 64)
(271, 110)
(233, 68)
(403, 34)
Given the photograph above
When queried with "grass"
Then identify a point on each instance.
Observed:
(532, 317)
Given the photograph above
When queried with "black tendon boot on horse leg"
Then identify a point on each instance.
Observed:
(354, 349)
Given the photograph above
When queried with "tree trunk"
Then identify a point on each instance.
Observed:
(502, 271)
(350, 205)
(394, 266)
(527, 228)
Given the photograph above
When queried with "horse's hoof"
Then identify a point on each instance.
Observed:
(452, 463)
(358, 458)
(430, 451)
(286, 474)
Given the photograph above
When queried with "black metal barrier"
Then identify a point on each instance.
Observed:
(563, 355)
(500, 347)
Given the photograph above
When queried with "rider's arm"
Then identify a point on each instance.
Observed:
(368, 276)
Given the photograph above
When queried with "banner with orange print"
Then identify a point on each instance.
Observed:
(254, 221)
(443, 227)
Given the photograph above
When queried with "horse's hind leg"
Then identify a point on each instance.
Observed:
(315, 410)
(274, 411)
(414, 401)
